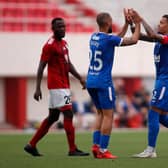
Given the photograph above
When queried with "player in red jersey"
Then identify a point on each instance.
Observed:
(55, 55)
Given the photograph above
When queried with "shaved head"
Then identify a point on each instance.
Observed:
(103, 18)
(104, 22)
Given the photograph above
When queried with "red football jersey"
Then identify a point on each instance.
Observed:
(56, 54)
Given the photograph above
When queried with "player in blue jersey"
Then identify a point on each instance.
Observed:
(158, 112)
(99, 80)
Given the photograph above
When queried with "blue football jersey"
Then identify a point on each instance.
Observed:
(101, 54)
(161, 60)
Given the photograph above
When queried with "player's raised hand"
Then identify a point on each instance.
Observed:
(38, 95)
(128, 17)
(136, 18)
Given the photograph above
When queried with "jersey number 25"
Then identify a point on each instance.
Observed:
(96, 63)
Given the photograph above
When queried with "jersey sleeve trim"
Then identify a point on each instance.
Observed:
(120, 41)
(165, 40)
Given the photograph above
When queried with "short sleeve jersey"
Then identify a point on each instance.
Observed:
(102, 47)
(161, 58)
(55, 53)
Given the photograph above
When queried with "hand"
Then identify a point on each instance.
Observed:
(38, 94)
(128, 17)
(136, 18)
(83, 83)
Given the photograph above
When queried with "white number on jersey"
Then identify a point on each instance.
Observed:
(97, 60)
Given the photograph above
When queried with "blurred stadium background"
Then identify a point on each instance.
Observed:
(25, 27)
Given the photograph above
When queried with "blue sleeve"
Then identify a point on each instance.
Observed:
(115, 40)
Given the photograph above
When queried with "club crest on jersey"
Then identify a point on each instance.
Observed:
(95, 37)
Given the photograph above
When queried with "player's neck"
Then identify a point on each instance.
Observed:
(103, 30)
(57, 38)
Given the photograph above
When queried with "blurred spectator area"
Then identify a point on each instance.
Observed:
(36, 15)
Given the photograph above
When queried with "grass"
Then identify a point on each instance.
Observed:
(54, 148)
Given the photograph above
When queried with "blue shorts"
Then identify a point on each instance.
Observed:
(103, 98)
(160, 95)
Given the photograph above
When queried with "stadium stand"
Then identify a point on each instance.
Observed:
(22, 15)
(35, 15)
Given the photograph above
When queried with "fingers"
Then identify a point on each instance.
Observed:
(127, 15)
(132, 16)
(84, 87)
(83, 83)
(37, 97)
(125, 11)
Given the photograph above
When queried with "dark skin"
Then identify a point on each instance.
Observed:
(59, 33)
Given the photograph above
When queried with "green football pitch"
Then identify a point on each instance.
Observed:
(54, 147)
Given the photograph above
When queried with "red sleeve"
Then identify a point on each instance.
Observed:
(45, 56)
(165, 40)
(65, 43)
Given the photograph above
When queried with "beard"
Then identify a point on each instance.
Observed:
(159, 32)
(110, 30)
(59, 35)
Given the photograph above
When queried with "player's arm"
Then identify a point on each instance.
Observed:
(134, 38)
(150, 32)
(123, 30)
(151, 36)
(41, 67)
(126, 24)
(74, 72)
(142, 36)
